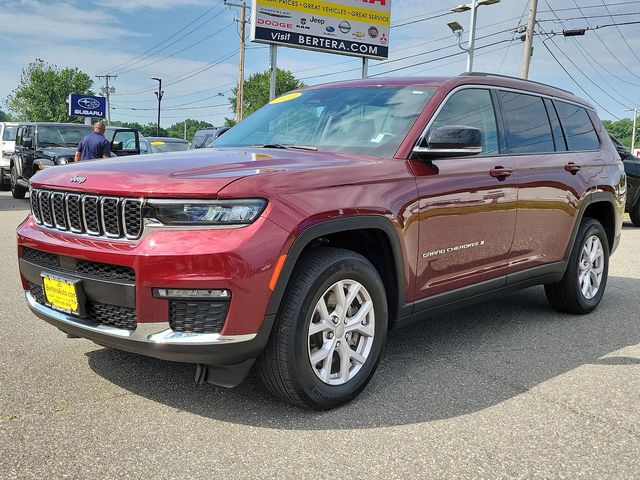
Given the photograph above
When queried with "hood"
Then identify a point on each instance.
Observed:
(191, 174)
(57, 151)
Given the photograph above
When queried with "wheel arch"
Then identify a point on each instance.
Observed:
(599, 206)
(359, 234)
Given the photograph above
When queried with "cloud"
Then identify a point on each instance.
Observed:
(59, 21)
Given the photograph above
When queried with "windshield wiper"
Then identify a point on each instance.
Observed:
(289, 146)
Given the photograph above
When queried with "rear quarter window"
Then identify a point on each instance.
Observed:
(578, 127)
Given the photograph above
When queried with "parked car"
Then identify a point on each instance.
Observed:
(204, 137)
(166, 144)
(632, 169)
(323, 220)
(7, 146)
(42, 145)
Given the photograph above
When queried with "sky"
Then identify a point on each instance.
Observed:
(198, 59)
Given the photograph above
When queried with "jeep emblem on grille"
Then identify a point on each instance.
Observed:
(78, 179)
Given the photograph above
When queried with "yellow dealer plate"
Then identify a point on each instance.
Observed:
(61, 293)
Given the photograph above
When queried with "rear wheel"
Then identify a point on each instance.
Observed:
(17, 191)
(585, 279)
(330, 331)
(634, 214)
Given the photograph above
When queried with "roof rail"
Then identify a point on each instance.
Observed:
(485, 74)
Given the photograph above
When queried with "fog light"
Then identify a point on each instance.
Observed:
(191, 294)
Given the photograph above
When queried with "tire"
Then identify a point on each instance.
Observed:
(17, 191)
(573, 294)
(285, 366)
(634, 214)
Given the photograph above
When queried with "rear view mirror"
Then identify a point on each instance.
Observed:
(27, 142)
(451, 141)
(116, 146)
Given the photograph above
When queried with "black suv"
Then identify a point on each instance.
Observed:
(41, 145)
(632, 169)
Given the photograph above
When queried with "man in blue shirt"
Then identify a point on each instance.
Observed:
(94, 145)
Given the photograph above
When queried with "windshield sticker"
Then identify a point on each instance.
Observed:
(285, 98)
(157, 143)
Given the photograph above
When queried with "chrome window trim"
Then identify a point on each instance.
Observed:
(84, 214)
(102, 217)
(56, 224)
(474, 86)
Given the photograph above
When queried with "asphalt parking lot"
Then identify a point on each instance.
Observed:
(506, 389)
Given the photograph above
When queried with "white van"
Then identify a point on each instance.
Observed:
(7, 146)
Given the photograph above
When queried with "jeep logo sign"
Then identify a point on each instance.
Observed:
(87, 106)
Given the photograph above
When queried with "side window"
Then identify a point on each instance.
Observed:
(471, 107)
(577, 127)
(558, 136)
(128, 139)
(19, 136)
(526, 122)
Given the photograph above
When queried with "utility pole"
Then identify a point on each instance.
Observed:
(635, 126)
(528, 41)
(107, 91)
(159, 95)
(243, 23)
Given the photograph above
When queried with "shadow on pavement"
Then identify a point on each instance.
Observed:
(8, 203)
(444, 367)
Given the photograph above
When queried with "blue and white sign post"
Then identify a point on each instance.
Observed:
(87, 106)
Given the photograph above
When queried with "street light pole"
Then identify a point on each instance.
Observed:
(473, 6)
(159, 95)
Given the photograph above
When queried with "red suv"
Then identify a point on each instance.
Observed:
(323, 220)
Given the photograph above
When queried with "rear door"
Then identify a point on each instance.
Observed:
(553, 176)
(467, 204)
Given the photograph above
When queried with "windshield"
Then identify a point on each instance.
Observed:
(65, 135)
(161, 147)
(366, 120)
(9, 134)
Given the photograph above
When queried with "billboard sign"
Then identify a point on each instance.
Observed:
(636, 152)
(359, 28)
(87, 106)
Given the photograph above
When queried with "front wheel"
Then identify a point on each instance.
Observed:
(17, 191)
(330, 331)
(585, 279)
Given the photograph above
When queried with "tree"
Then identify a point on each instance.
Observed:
(4, 117)
(177, 129)
(256, 91)
(44, 90)
(148, 130)
(621, 129)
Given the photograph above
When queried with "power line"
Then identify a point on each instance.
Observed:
(126, 63)
(624, 39)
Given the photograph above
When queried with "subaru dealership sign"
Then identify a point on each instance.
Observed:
(87, 106)
(359, 28)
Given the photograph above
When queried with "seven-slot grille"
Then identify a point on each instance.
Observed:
(111, 217)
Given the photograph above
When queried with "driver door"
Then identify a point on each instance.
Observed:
(467, 208)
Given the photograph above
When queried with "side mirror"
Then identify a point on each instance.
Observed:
(451, 141)
(27, 142)
(623, 152)
(116, 146)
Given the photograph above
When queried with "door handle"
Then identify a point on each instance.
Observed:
(501, 173)
(572, 168)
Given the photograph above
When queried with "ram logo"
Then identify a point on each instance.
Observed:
(90, 103)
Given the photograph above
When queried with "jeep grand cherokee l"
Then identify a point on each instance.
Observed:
(324, 219)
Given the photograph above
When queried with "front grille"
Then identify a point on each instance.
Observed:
(100, 271)
(197, 317)
(100, 216)
(102, 313)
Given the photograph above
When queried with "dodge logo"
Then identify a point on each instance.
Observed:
(78, 179)
(90, 103)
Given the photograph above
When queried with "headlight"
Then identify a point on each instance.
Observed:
(63, 161)
(204, 212)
